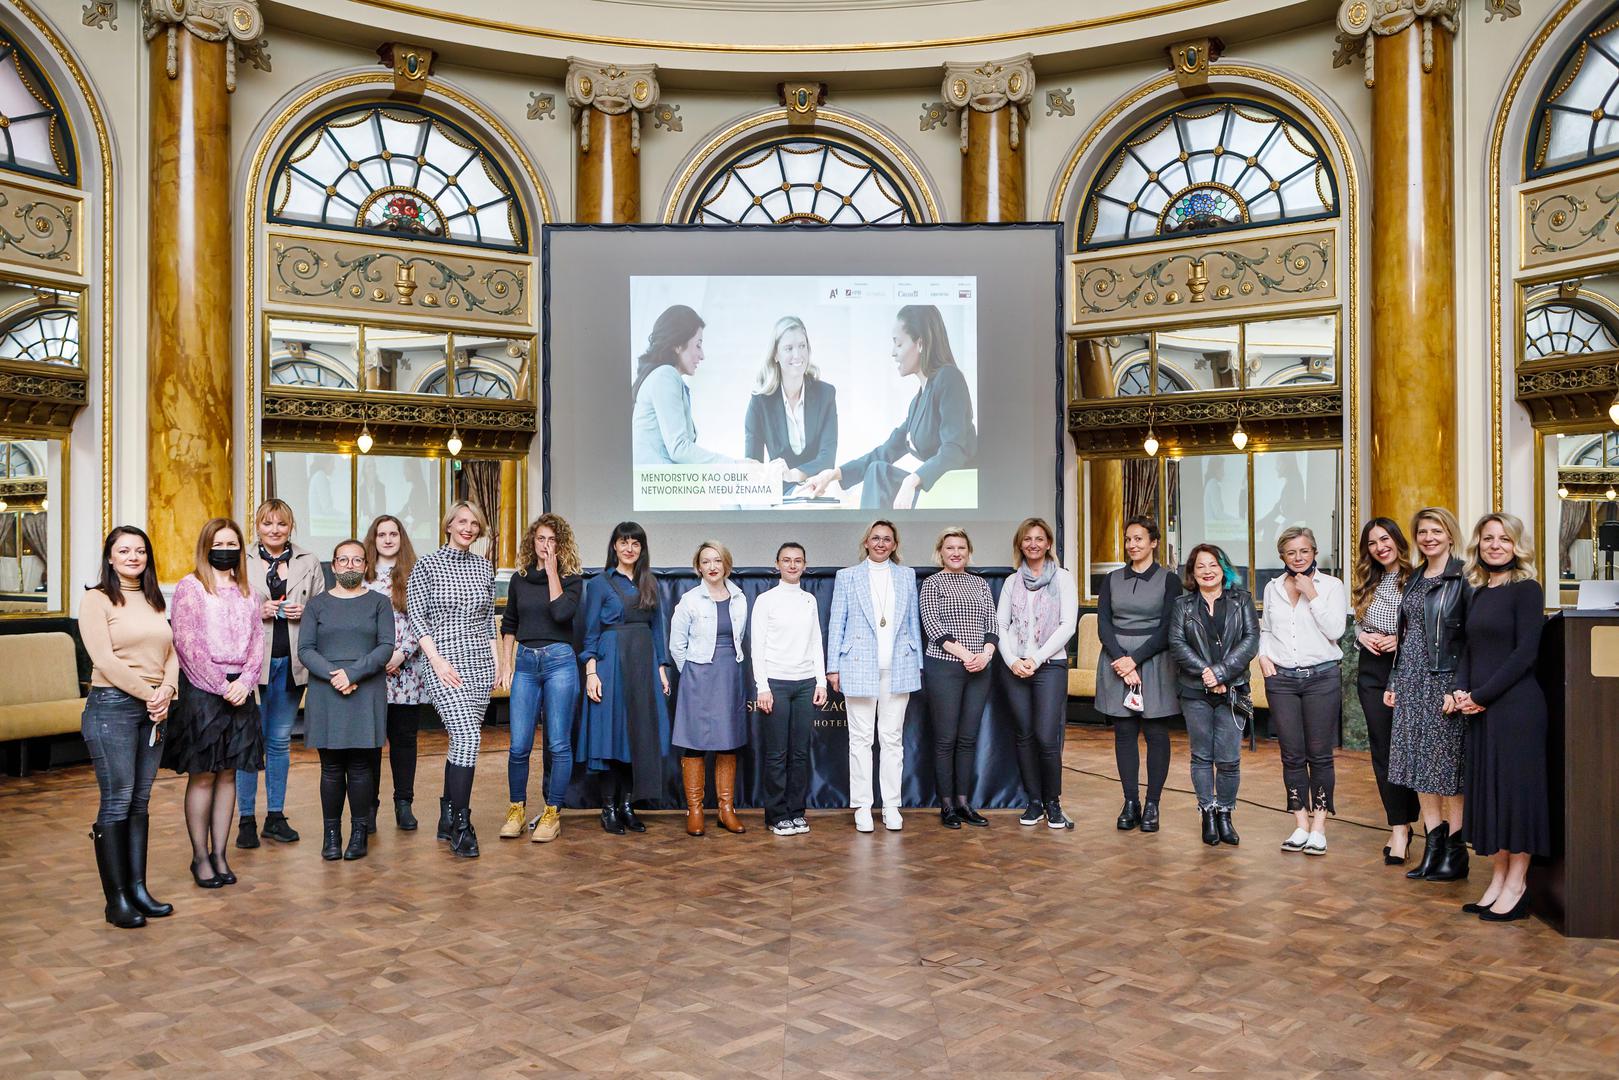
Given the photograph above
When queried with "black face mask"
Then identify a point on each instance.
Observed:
(224, 558)
(1308, 571)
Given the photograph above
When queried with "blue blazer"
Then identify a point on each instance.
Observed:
(851, 642)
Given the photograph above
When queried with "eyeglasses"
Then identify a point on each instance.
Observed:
(349, 560)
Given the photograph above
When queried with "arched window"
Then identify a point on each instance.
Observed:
(48, 337)
(798, 180)
(469, 382)
(307, 370)
(17, 461)
(1561, 328)
(397, 170)
(1577, 116)
(1205, 167)
(34, 133)
(1136, 378)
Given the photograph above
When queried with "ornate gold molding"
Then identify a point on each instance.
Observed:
(1117, 425)
(294, 416)
(39, 229)
(42, 400)
(1568, 219)
(208, 20)
(1361, 22)
(613, 90)
(1575, 392)
(989, 86)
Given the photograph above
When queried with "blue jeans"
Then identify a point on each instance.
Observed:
(551, 675)
(278, 708)
(1216, 738)
(118, 732)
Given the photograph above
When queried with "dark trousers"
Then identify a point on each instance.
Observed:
(118, 731)
(787, 740)
(1305, 713)
(956, 701)
(1038, 705)
(1127, 754)
(347, 771)
(403, 723)
(1400, 805)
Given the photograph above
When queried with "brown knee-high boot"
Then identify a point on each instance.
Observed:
(692, 775)
(725, 792)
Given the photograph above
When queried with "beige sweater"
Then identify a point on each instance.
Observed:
(130, 645)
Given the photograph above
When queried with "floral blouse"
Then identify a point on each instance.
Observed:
(405, 685)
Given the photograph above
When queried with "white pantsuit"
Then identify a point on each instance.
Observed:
(884, 716)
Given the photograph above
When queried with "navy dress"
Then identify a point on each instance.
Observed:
(630, 724)
(712, 711)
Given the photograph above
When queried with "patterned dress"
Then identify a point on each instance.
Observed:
(451, 598)
(405, 686)
(1425, 749)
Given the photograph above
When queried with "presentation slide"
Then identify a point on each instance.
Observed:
(751, 392)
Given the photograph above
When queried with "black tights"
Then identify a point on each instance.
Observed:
(210, 807)
(403, 723)
(614, 783)
(346, 771)
(1126, 753)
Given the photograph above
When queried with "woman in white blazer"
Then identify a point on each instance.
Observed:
(1037, 612)
(705, 643)
(874, 656)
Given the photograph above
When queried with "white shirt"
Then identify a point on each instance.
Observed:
(1307, 634)
(881, 582)
(787, 637)
(795, 420)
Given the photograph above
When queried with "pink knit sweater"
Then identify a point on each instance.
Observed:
(215, 634)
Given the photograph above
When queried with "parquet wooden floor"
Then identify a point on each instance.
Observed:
(999, 953)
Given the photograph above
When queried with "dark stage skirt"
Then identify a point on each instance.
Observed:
(204, 734)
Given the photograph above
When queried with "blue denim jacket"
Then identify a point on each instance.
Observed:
(695, 623)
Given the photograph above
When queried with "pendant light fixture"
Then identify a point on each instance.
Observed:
(453, 443)
(1150, 443)
(1562, 491)
(1239, 438)
(365, 441)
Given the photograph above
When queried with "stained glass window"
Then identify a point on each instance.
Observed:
(1577, 117)
(469, 382)
(34, 133)
(1208, 166)
(803, 181)
(397, 170)
(50, 337)
(1564, 329)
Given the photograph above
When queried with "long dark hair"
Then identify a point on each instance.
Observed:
(925, 325)
(1368, 571)
(1229, 580)
(677, 325)
(404, 562)
(646, 586)
(113, 585)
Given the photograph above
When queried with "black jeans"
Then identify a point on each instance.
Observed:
(118, 731)
(1039, 704)
(1305, 712)
(347, 771)
(1400, 805)
(956, 700)
(403, 723)
(787, 741)
(1127, 754)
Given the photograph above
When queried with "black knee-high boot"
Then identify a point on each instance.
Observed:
(144, 902)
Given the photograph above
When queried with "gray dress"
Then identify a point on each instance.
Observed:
(1136, 611)
(355, 634)
(711, 713)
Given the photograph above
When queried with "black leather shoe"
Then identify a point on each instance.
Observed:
(1520, 910)
(112, 861)
(403, 816)
(331, 841)
(947, 816)
(1433, 845)
(210, 882)
(277, 828)
(1130, 816)
(1452, 864)
(1394, 860)
(969, 816)
(1211, 835)
(626, 815)
(465, 843)
(144, 902)
(358, 841)
(1474, 909)
(247, 832)
(610, 820)
(1227, 831)
(446, 822)
(224, 875)
(1149, 817)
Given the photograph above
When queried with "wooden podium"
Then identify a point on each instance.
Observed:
(1577, 889)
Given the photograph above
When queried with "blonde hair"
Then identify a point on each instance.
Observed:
(769, 378)
(1023, 531)
(567, 549)
(891, 527)
(938, 545)
(205, 543)
(1523, 549)
(1446, 521)
(697, 556)
(1292, 533)
(278, 507)
(477, 515)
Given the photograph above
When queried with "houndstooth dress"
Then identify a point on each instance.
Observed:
(451, 598)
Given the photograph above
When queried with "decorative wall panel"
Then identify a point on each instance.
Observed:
(40, 230)
(1575, 219)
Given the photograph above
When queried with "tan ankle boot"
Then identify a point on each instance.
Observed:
(694, 779)
(725, 792)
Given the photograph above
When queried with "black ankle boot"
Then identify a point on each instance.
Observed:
(1433, 846)
(247, 831)
(626, 815)
(610, 820)
(278, 828)
(331, 846)
(465, 843)
(403, 817)
(112, 860)
(1130, 816)
(357, 840)
(1452, 862)
(1211, 835)
(446, 821)
(1149, 817)
(143, 900)
(1222, 825)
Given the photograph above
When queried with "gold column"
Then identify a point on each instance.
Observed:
(511, 526)
(1412, 400)
(1105, 493)
(190, 427)
(992, 101)
(607, 102)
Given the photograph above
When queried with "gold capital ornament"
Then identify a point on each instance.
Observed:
(612, 89)
(237, 21)
(989, 86)
(1361, 22)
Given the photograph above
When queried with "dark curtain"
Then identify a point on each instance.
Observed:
(35, 534)
(1575, 520)
(1140, 488)
(482, 479)
(8, 534)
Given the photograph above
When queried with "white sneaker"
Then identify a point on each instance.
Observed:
(892, 821)
(1317, 844)
(862, 818)
(800, 825)
(784, 827)
(1297, 841)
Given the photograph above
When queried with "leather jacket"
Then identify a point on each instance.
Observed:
(1193, 651)
(1444, 614)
